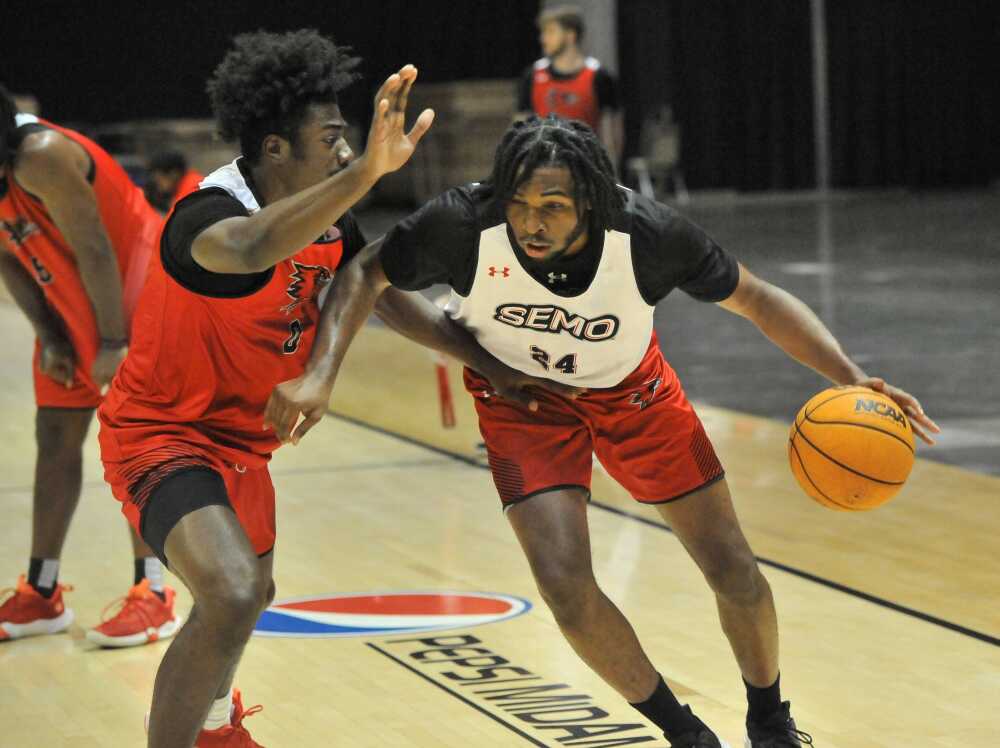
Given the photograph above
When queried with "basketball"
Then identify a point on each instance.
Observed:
(851, 448)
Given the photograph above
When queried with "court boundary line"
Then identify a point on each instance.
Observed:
(460, 697)
(801, 574)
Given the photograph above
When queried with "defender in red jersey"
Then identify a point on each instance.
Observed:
(585, 263)
(76, 236)
(229, 312)
(569, 84)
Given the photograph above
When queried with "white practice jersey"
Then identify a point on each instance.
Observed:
(594, 339)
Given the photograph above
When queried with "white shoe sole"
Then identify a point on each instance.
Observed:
(40, 627)
(135, 640)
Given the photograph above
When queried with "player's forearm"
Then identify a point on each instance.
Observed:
(414, 316)
(349, 304)
(29, 298)
(795, 328)
(283, 228)
(101, 279)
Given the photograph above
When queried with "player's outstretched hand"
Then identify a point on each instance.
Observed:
(58, 360)
(389, 145)
(919, 422)
(305, 396)
(515, 385)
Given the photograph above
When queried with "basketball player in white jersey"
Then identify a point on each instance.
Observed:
(555, 273)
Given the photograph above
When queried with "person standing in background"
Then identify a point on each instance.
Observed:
(170, 179)
(75, 240)
(569, 84)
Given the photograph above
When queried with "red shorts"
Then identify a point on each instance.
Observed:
(249, 489)
(51, 394)
(644, 431)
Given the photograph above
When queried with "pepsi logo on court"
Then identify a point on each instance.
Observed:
(372, 613)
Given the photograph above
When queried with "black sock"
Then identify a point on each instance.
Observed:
(140, 574)
(42, 575)
(663, 710)
(763, 701)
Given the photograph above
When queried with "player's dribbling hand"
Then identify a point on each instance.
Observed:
(58, 360)
(389, 145)
(109, 358)
(919, 422)
(304, 396)
(515, 385)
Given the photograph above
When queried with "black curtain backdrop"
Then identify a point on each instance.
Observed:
(742, 73)
(914, 89)
(111, 61)
(913, 92)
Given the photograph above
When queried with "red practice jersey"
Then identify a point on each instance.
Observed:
(201, 367)
(567, 97)
(27, 230)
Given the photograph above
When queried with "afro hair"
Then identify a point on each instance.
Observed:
(265, 84)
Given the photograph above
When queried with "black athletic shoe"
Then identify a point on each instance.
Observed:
(701, 737)
(778, 731)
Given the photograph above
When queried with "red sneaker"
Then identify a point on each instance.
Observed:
(27, 613)
(142, 618)
(233, 736)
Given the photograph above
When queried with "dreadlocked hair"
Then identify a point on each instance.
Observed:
(8, 124)
(553, 141)
(266, 83)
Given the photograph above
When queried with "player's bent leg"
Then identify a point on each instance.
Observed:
(59, 435)
(36, 605)
(210, 552)
(553, 532)
(552, 529)
(706, 524)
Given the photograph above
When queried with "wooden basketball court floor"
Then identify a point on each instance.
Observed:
(890, 620)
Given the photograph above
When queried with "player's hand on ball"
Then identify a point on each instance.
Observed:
(389, 145)
(515, 385)
(919, 421)
(58, 360)
(306, 396)
(109, 358)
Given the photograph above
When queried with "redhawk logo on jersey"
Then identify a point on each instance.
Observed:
(555, 319)
(20, 230)
(307, 281)
(505, 272)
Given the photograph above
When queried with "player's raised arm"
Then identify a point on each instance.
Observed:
(794, 327)
(279, 230)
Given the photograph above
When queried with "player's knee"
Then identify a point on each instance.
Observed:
(269, 594)
(59, 438)
(733, 574)
(566, 591)
(238, 603)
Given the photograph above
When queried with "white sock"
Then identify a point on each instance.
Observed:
(153, 570)
(221, 712)
(49, 573)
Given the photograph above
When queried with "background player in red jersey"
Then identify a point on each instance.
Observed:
(169, 179)
(77, 237)
(587, 261)
(569, 84)
(229, 311)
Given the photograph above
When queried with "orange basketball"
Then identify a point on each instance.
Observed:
(851, 448)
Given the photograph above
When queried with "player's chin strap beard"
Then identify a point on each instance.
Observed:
(576, 233)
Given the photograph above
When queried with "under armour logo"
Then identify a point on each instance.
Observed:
(553, 277)
(505, 272)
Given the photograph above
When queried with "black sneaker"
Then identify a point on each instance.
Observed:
(778, 731)
(700, 737)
